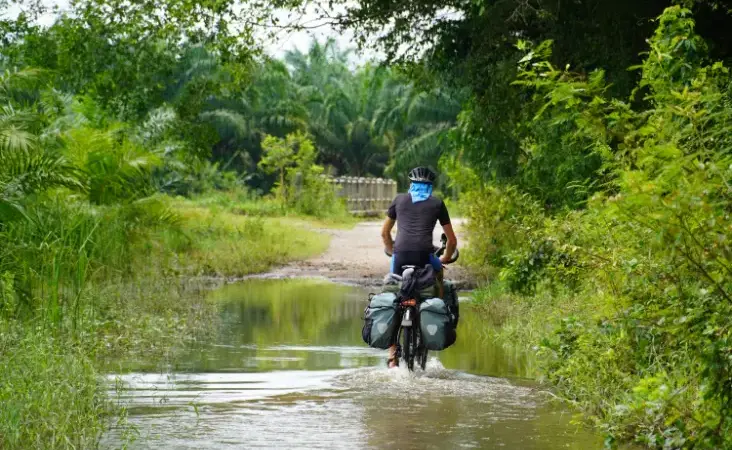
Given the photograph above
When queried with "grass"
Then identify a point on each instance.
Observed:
(51, 394)
(242, 203)
(226, 244)
(525, 320)
(83, 286)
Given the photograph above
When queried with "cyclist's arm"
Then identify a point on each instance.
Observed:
(444, 218)
(386, 234)
(451, 243)
(391, 217)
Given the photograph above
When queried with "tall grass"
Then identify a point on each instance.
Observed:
(50, 392)
(81, 284)
(240, 201)
(221, 243)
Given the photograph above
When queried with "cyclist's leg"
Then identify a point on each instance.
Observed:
(436, 263)
(439, 275)
(392, 360)
(396, 268)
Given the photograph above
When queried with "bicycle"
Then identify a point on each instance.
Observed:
(409, 335)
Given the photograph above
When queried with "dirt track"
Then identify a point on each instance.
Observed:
(356, 256)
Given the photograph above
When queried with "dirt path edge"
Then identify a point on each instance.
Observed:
(356, 257)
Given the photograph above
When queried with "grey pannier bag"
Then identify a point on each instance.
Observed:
(451, 300)
(380, 322)
(437, 324)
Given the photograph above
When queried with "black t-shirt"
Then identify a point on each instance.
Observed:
(416, 222)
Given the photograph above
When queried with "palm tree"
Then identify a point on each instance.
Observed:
(324, 66)
(421, 121)
(364, 120)
(270, 105)
(345, 127)
(341, 108)
(25, 166)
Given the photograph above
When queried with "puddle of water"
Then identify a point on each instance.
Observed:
(287, 369)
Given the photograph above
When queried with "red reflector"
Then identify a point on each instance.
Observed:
(411, 302)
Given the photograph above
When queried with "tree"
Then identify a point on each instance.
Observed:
(279, 154)
(419, 122)
(471, 48)
(301, 185)
(125, 54)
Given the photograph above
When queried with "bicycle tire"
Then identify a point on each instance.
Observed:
(421, 350)
(408, 347)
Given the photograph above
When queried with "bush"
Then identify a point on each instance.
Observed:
(518, 242)
(633, 304)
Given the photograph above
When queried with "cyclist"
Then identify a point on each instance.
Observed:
(417, 212)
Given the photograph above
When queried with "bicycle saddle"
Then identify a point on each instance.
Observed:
(392, 279)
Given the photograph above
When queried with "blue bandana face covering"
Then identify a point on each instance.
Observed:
(420, 191)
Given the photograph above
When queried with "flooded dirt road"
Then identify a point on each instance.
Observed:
(286, 368)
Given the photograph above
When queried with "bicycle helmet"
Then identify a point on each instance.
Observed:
(422, 175)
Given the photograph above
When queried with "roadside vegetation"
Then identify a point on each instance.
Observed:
(624, 290)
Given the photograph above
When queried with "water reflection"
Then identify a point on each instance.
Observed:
(287, 368)
(475, 351)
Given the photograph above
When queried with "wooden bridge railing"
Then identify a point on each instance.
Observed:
(368, 196)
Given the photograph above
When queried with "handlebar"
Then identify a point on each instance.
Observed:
(438, 251)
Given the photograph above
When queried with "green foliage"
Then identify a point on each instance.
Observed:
(645, 353)
(469, 47)
(279, 154)
(50, 394)
(116, 169)
(127, 56)
(301, 185)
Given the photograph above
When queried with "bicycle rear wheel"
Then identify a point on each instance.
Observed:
(422, 358)
(408, 346)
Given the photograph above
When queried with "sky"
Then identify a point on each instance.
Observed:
(301, 40)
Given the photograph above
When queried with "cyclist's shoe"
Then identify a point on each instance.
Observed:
(393, 360)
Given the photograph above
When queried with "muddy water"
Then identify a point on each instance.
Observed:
(287, 369)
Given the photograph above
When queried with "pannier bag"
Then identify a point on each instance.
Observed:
(451, 300)
(393, 285)
(416, 280)
(437, 324)
(380, 321)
